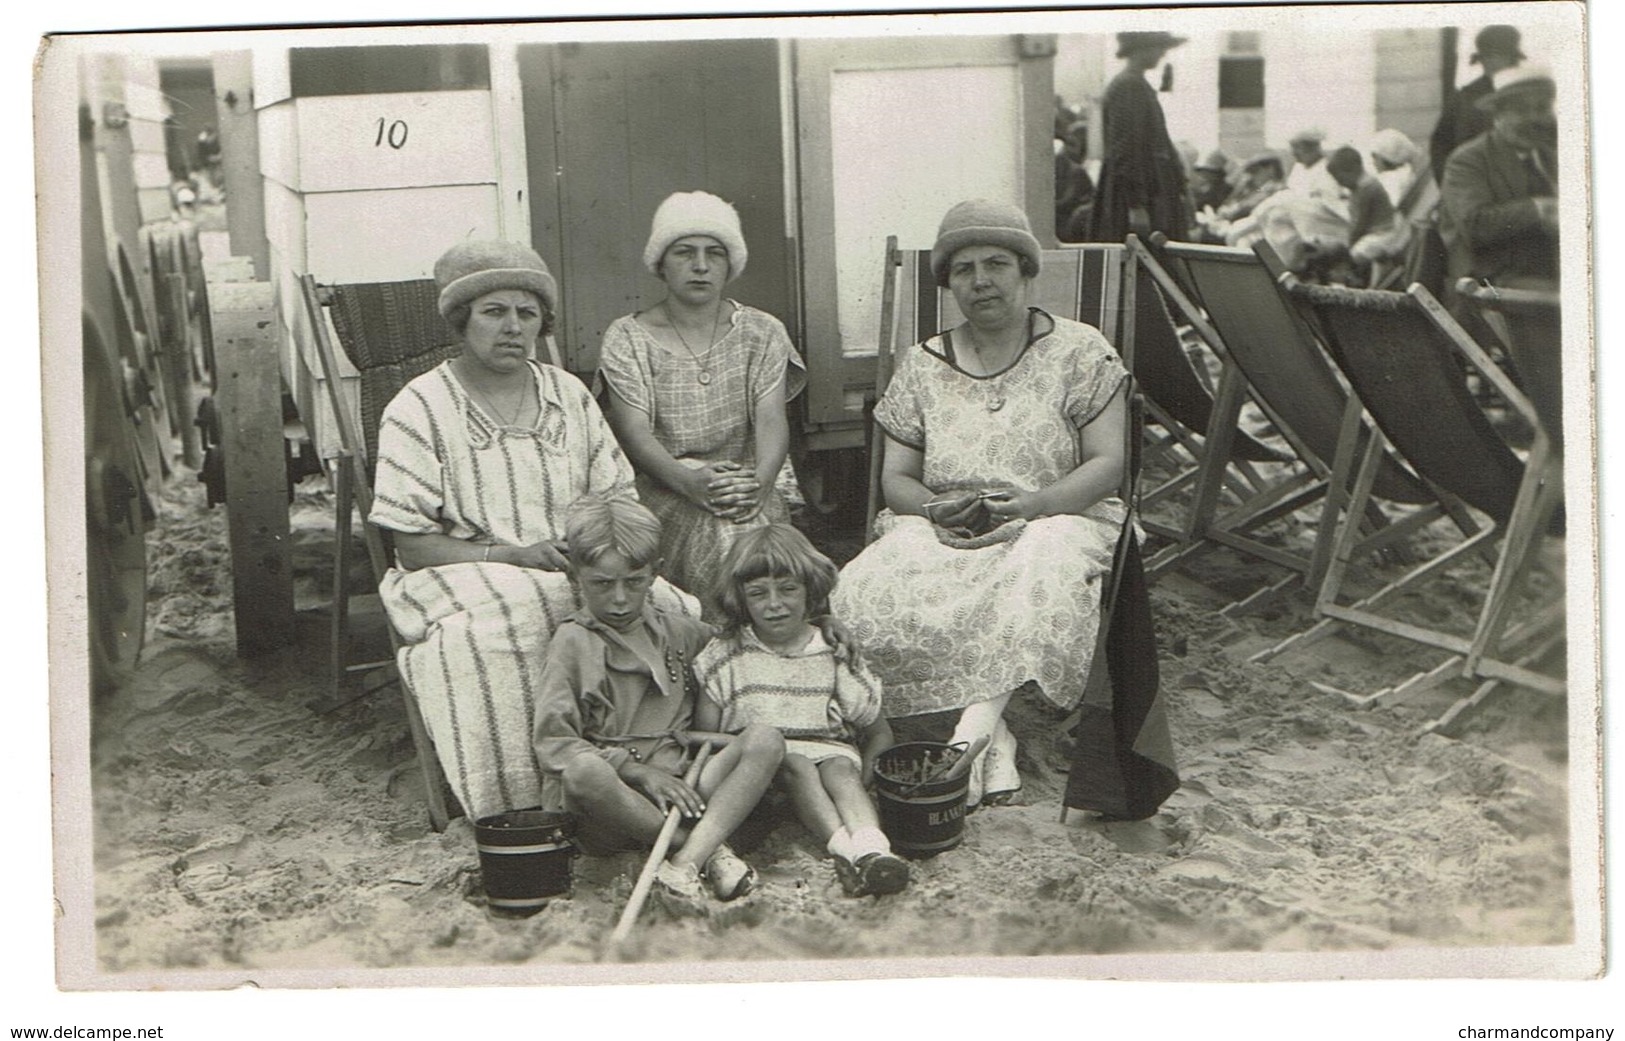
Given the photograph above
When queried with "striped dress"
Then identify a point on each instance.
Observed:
(474, 632)
(817, 703)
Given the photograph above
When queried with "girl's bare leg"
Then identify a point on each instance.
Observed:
(844, 788)
(814, 808)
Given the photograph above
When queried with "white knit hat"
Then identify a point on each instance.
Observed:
(696, 213)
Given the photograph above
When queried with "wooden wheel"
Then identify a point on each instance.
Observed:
(115, 527)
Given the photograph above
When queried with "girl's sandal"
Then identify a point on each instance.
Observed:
(730, 877)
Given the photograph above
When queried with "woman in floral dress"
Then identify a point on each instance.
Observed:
(1003, 456)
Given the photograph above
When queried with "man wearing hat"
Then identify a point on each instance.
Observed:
(1142, 182)
(1495, 49)
(1498, 201)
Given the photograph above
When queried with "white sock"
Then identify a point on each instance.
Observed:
(840, 844)
(870, 839)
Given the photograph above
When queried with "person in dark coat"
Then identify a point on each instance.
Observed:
(1142, 182)
(1496, 48)
(1498, 202)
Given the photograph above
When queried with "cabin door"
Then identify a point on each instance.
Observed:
(611, 129)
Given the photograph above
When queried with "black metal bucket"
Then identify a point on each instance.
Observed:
(525, 859)
(921, 818)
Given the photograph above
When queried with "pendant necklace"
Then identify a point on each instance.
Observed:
(699, 359)
(995, 382)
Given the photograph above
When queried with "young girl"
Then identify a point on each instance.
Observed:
(772, 666)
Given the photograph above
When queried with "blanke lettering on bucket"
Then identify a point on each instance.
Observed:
(952, 813)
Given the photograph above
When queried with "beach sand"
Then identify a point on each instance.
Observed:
(240, 826)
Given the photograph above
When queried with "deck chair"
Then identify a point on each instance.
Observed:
(391, 332)
(1228, 296)
(1529, 325)
(1399, 352)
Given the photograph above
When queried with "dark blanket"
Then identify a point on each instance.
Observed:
(1123, 759)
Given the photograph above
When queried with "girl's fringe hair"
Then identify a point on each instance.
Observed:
(777, 550)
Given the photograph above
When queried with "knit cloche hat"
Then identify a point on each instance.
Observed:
(696, 213)
(469, 270)
(983, 222)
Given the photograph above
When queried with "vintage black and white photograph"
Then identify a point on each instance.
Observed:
(1088, 493)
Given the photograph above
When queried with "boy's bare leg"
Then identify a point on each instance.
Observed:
(612, 815)
(803, 779)
(845, 794)
(732, 784)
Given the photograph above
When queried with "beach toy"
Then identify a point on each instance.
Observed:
(525, 859)
(922, 797)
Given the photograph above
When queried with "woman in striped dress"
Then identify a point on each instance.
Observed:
(478, 460)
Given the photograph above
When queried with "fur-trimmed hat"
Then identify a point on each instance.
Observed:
(696, 213)
(983, 222)
(469, 270)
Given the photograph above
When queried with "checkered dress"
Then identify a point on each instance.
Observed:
(700, 424)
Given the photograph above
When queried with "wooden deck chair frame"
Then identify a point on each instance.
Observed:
(1269, 354)
(353, 488)
(1486, 653)
(1528, 324)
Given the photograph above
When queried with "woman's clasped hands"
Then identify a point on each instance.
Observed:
(728, 490)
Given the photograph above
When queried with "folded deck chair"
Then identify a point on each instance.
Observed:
(1400, 354)
(391, 332)
(1228, 296)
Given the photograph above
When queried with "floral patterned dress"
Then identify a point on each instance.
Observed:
(947, 622)
(702, 421)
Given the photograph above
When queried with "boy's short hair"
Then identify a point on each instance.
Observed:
(600, 524)
(767, 552)
(1347, 159)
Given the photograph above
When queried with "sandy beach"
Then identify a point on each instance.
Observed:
(239, 824)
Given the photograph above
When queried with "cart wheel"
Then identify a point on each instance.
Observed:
(115, 529)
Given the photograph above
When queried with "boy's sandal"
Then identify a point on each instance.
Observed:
(874, 874)
(730, 877)
(678, 889)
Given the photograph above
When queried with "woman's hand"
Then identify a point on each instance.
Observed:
(1009, 506)
(663, 789)
(835, 634)
(955, 510)
(732, 492)
(1139, 221)
(543, 556)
